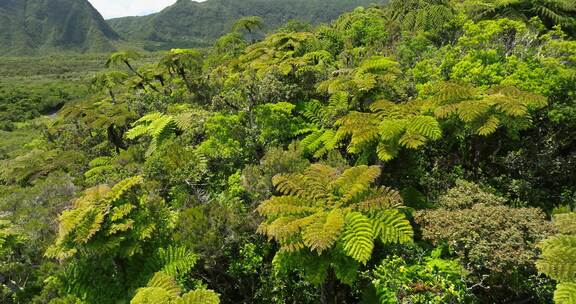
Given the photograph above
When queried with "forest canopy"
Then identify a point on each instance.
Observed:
(421, 151)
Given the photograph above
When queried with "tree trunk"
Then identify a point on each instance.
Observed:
(116, 138)
(328, 292)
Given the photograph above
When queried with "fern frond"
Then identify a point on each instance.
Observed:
(565, 293)
(358, 237)
(200, 296)
(490, 126)
(290, 184)
(558, 258)
(122, 187)
(317, 179)
(393, 227)
(322, 234)
(566, 223)
(361, 127)
(356, 180)
(166, 282)
(286, 205)
(387, 151)
(175, 261)
(382, 198)
(152, 295)
(426, 126)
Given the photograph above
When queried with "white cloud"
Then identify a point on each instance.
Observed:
(120, 8)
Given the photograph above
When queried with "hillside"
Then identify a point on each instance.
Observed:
(190, 24)
(32, 27)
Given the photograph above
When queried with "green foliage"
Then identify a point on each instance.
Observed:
(259, 164)
(558, 258)
(322, 209)
(484, 114)
(556, 12)
(434, 280)
(493, 241)
(390, 127)
(163, 289)
(105, 220)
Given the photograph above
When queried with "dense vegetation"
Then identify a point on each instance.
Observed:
(419, 152)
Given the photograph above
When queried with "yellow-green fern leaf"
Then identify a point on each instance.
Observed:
(565, 293)
(566, 223)
(166, 282)
(387, 151)
(201, 296)
(322, 234)
(558, 258)
(356, 180)
(393, 227)
(490, 126)
(358, 237)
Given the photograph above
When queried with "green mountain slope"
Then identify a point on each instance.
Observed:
(32, 27)
(189, 24)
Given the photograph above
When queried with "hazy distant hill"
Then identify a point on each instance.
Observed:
(32, 27)
(188, 23)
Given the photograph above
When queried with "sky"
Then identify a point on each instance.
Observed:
(120, 8)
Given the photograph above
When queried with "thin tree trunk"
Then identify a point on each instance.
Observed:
(328, 292)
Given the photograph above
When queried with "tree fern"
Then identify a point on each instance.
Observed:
(329, 212)
(565, 293)
(156, 125)
(558, 258)
(163, 289)
(358, 238)
(486, 111)
(106, 220)
(388, 128)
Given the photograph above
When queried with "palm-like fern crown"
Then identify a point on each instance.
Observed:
(122, 57)
(486, 111)
(421, 14)
(389, 127)
(284, 51)
(369, 75)
(322, 207)
(162, 288)
(105, 219)
(552, 12)
(186, 59)
(558, 258)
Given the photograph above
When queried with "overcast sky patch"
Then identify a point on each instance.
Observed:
(120, 8)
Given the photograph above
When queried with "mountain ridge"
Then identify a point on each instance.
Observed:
(32, 27)
(188, 23)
